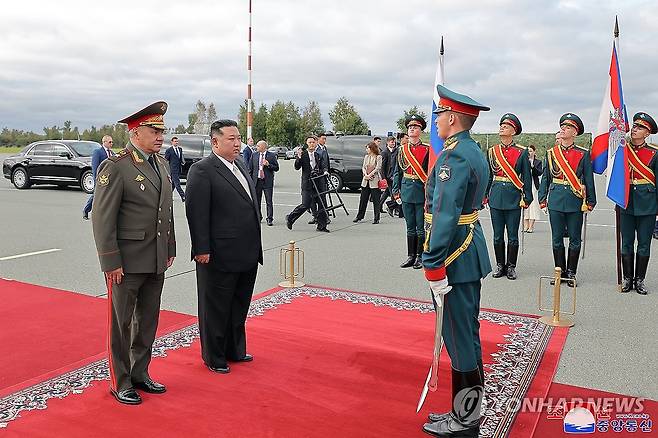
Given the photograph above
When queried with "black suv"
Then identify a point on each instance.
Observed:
(346, 160)
(59, 162)
(195, 147)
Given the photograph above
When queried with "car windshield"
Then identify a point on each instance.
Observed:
(84, 148)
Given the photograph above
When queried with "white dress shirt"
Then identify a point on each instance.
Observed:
(234, 169)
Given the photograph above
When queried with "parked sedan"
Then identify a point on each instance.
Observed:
(280, 151)
(291, 154)
(59, 162)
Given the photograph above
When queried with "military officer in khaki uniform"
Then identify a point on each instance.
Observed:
(134, 233)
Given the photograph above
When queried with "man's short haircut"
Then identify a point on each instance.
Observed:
(390, 138)
(465, 120)
(322, 134)
(174, 138)
(533, 147)
(216, 127)
(311, 136)
(376, 138)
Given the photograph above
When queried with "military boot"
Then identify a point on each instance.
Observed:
(433, 417)
(501, 268)
(627, 269)
(560, 261)
(641, 263)
(572, 266)
(411, 252)
(512, 254)
(418, 264)
(464, 418)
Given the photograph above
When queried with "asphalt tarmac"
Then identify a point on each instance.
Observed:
(612, 347)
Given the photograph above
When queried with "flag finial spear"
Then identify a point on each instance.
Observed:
(616, 28)
(441, 51)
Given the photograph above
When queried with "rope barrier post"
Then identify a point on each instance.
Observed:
(291, 265)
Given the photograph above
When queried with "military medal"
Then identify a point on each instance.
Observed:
(139, 178)
(141, 187)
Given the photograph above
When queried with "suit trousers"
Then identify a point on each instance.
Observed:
(175, 184)
(224, 299)
(135, 309)
(643, 226)
(268, 198)
(368, 193)
(309, 200)
(414, 216)
(574, 225)
(461, 326)
(506, 219)
(386, 193)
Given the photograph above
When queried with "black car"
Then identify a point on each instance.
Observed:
(280, 151)
(58, 162)
(346, 159)
(195, 147)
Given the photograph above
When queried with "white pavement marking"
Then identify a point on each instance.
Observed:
(27, 254)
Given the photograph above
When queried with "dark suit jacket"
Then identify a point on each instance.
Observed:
(97, 157)
(246, 154)
(304, 163)
(175, 162)
(536, 170)
(388, 160)
(324, 156)
(223, 221)
(267, 170)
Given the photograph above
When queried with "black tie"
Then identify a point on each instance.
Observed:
(151, 161)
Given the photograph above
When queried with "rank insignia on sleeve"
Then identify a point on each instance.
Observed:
(103, 180)
(139, 178)
(444, 173)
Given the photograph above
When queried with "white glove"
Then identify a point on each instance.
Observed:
(439, 288)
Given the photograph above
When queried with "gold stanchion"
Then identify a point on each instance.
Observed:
(291, 259)
(555, 320)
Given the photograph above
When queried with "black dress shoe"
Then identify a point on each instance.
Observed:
(288, 222)
(247, 358)
(357, 219)
(324, 230)
(150, 386)
(375, 222)
(85, 216)
(269, 222)
(312, 222)
(220, 370)
(127, 396)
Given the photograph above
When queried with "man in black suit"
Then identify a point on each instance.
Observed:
(312, 165)
(321, 149)
(262, 166)
(389, 155)
(175, 157)
(226, 244)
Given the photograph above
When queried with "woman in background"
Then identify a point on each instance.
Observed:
(531, 214)
(372, 165)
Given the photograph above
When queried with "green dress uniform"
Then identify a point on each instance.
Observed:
(409, 178)
(133, 227)
(640, 214)
(567, 188)
(455, 248)
(509, 190)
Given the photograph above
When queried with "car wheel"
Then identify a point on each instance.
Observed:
(20, 179)
(87, 182)
(336, 181)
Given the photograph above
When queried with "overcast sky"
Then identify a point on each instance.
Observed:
(92, 64)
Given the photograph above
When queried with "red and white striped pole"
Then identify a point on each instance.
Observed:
(250, 114)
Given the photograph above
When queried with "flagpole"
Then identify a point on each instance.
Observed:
(617, 208)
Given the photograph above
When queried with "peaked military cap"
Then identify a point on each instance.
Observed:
(573, 120)
(460, 103)
(513, 121)
(415, 120)
(646, 121)
(151, 116)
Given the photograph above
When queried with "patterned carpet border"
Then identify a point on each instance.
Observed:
(507, 378)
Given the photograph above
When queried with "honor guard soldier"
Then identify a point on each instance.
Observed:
(567, 188)
(456, 258)
(409, 181)
(509, 191)
(134, 232)
(640, 213)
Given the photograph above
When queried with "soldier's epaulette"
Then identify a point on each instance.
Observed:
(450, 144)
(582, 148)
(123, 153)
(520, 146)
(653, 146)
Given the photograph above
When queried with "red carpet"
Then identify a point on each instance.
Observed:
(327, 363)
(625, 417)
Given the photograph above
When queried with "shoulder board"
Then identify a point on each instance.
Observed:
(581, 148)
(653, 146)
(520, 146)
(161, 158)
(451, 146)
(123, 153)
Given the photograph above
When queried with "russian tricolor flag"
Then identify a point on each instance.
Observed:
(609, 146)
(436, 142)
